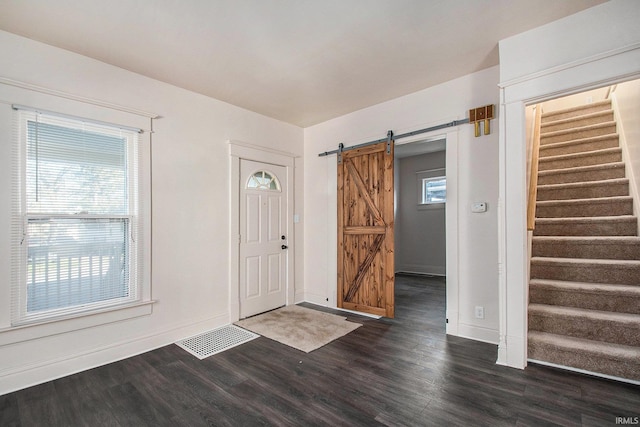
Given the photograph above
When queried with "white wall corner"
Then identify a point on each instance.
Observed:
(317, 299)
(631, 163)
(452, 322)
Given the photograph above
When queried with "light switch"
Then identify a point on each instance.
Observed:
(477, 207)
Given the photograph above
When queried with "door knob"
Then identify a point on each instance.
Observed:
(284, 246)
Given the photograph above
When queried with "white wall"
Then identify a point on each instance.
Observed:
(190, 189)
(627, 99)
(590, 49)
(476, 163)
(599, 29)
(420, 245)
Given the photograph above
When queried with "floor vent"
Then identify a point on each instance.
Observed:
(216, 341)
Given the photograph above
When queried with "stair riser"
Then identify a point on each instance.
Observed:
(581, 147)
(593, 108)
(569, 177)
(578, 121)
(578, 134)
(587, 300)
(627, 333)
(590, 273)
(587, 251)
(584, 192)
(577, 161)
(625, 228)
(582, 360)
(563, 210)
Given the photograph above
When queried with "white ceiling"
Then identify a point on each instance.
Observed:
(300, 61)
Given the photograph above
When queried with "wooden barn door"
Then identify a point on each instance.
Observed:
(365, 229)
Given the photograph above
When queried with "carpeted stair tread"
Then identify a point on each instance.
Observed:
(621, 272)
(597, 129)
(594, 247)
(584, 289)
(612, 327)
(572, 261)
(552, 310)
(580, 110)
(610, 359)
(577, 121)
(620, 225)
(601, 206)
(582, 173)
(580, 145)
(588, 158)
(594, 296)
(583, 190)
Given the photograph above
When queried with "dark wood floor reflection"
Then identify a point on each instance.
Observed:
(398, 372)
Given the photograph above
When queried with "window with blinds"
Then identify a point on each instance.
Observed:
(434, 190)
(76, 217)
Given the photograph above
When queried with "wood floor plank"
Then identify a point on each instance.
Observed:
(9, 411)
(390, 372)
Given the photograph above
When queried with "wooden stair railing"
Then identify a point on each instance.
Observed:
(533, 177)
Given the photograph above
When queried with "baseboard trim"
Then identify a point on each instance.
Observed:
(478, 333)
(38, 373)
(419, 273)
(583, 371)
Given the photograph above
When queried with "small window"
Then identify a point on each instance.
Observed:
(263, 180)
(434, 190)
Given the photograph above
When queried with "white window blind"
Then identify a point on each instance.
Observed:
(76, 217)
(434, 190)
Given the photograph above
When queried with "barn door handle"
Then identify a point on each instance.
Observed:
(284, 246)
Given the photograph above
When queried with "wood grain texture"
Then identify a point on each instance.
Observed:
(395, 372)
(365, 230)
(533, 174)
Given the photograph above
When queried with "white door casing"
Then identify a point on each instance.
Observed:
(239, 151)
(263, 237)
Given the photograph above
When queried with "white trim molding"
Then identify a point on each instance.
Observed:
(73, 97)
(242, 150)
(591, 72)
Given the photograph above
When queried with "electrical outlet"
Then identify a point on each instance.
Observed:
(479, 312)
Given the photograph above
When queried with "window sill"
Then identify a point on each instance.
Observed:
(431, 206)
(76, 322)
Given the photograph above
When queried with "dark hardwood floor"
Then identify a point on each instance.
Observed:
(398, 372)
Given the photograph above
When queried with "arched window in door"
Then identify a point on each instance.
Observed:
(263, 180)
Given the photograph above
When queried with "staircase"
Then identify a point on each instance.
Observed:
(584, 291)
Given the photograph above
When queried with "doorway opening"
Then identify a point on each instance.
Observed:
(279, 261)
(263, 237)
(421, 210)
(583, 231)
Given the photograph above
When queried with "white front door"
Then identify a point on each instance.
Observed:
(263, 237)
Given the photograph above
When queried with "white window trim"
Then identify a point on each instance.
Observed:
(75, 322)
(429, 174)
(424, 182)
(101, 113)
(20, 315)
